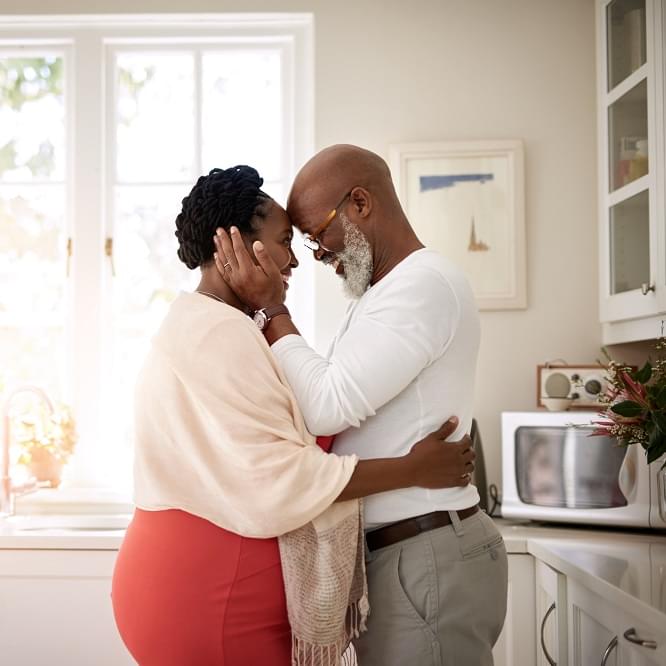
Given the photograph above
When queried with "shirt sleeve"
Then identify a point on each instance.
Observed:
(399, 332)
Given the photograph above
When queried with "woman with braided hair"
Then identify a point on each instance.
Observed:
(246, 547)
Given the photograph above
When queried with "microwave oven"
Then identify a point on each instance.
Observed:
(553, 471)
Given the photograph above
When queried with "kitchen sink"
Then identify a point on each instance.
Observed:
(68, 523)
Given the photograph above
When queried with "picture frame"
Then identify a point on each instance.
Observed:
(466, 199)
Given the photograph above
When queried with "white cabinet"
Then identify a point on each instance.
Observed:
(551, 616)
(516, 645)
(591, 637)
(632, 168)
(55, 608)
(604, 634)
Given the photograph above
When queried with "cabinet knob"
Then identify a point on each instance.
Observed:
(646, 288)
(632, 637)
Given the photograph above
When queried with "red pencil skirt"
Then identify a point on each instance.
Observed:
(189, 593)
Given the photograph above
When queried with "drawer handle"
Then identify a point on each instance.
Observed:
(611, 646)
(632, 637)
(549, 659)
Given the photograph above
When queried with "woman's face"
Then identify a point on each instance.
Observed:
(276, 233)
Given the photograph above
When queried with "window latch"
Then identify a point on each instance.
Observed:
(69, 250)
(108, 251)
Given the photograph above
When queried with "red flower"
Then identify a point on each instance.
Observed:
(634, 390)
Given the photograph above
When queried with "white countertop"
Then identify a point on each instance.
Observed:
(627, 567)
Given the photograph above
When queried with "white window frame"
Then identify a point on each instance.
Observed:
(88, 44)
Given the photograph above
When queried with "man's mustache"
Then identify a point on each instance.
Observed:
(328, 258)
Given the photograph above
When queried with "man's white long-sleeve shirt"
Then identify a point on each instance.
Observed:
(403, 361)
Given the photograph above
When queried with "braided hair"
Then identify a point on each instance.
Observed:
(224, 198)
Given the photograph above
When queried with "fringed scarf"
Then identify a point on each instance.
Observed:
(323, 564)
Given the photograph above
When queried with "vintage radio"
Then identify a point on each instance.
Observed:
(577, 386)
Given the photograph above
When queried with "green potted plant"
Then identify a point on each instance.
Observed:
(46, 444)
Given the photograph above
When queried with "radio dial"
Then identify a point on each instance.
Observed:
(593, 386)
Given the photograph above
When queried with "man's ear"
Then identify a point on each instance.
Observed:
(361, 201)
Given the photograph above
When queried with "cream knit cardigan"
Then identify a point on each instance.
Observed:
(219, 435)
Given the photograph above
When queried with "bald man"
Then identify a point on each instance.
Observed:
(402, 362)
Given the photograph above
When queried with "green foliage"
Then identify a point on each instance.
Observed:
(627, 408)
(659, 421)
(644, 374)
(23, 81)
(41, 163)
(133, 81)
(656, 446)
(28, 79)
(25, 229)
(660, 396)
(8, 156)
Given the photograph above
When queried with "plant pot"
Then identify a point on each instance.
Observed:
(44, 466)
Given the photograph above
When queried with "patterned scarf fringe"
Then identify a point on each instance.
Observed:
(304, 653)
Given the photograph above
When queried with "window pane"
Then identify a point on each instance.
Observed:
(33, 355)
(32, 127)
(155, 117)
(148, 271)
(149, 276)
(32, 251)
(32, 306)
(242, 110)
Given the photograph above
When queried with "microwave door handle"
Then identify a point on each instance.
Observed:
(549, 659)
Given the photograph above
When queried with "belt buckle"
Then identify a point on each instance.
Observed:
(423, 522)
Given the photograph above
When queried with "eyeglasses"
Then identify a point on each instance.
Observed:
(311, 241)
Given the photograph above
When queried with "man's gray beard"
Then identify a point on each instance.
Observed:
(356, 259)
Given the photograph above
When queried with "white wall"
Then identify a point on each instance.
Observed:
(393, 71)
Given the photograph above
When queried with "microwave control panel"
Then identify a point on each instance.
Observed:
(582, 384)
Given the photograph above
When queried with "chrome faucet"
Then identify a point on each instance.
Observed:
(8, 491)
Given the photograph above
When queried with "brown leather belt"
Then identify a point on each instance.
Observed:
(410, 527)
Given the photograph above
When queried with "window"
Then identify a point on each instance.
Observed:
(105, 124)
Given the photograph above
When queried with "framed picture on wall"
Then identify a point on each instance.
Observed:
(465, 199)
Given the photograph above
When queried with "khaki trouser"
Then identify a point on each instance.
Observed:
(437, 599)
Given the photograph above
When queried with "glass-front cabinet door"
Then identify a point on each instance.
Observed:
(630, 94)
